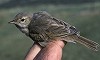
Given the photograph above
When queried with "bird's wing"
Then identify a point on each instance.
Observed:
(63, 28)
(48, 27)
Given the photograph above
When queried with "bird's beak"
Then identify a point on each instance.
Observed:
(12, 22)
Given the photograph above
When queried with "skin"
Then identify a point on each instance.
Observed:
(53, 51)
(34, 50)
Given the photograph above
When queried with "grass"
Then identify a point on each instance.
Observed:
(14, 45)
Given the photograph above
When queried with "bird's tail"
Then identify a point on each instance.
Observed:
(86, 42)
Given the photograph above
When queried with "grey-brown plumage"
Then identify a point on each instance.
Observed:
(42, 28)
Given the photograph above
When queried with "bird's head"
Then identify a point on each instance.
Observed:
(22, 20)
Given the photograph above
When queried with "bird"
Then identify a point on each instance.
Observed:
(42, 28)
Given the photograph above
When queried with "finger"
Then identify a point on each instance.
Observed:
(53, 51)
(34, 50)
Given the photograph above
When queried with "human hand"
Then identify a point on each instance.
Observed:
(53, 51)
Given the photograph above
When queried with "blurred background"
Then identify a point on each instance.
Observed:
(84, 14)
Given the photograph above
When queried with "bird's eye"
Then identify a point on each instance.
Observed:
(22, 20)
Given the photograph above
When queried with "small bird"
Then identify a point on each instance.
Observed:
(41, 27)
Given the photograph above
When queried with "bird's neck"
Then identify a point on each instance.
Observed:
(23, 30)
